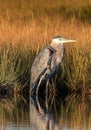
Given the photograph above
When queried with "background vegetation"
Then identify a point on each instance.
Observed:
(26, 26)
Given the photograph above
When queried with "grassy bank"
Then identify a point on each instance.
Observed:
(26, 27)
(20, 43)
(27, 9)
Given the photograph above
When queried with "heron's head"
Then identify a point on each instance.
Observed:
(59, 39)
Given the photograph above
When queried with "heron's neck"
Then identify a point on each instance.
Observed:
(59, 51)
(57, 47)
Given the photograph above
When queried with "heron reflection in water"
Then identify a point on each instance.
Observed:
(47, 63)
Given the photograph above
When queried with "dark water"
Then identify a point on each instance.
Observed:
(19, 113)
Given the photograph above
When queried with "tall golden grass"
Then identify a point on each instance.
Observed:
(26, 30)
(35, 36)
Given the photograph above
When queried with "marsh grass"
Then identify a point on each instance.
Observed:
(76, 66)
(24, 32)
(25, 10)
(21, 42)
(15, 66)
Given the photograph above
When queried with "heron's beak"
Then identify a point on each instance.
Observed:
(68, 40)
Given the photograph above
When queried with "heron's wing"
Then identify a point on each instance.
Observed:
(40, 63)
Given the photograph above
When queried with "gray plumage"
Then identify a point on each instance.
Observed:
(47, 62)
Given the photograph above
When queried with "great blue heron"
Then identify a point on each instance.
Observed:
(47, 62)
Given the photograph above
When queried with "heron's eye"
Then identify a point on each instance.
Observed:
(60, 38)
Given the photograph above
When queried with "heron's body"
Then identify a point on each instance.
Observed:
(46, 64)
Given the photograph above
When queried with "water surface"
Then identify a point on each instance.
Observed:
(19, 113)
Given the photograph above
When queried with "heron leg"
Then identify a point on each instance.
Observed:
(47, 93)
(37, 90)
